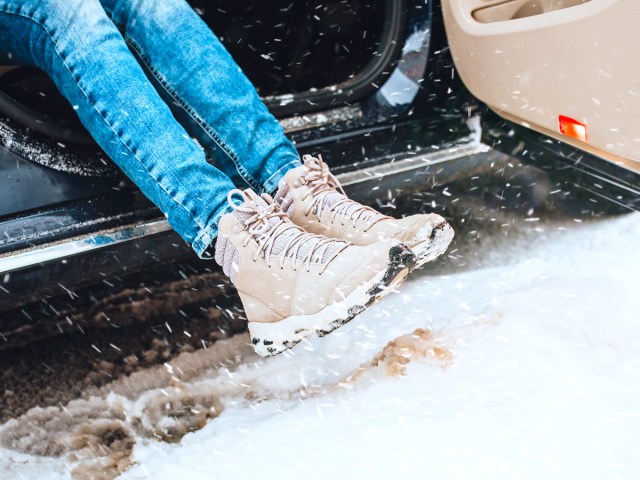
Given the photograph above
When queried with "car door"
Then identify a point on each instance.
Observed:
(566, 68)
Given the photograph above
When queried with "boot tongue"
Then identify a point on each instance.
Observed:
(254, 200)
(330, 198)
(301, 171)
(282, 240)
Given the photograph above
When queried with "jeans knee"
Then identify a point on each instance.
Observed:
(41, 29)
(64, 11)
(163, 13)
(69, 22)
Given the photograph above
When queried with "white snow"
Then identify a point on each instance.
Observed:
(527, 366)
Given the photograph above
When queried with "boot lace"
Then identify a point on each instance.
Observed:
(268, 224)
(322, 184)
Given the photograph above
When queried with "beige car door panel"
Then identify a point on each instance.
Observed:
(567, 68)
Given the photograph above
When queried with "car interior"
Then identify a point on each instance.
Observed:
(291, 57)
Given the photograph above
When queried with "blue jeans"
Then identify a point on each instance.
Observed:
(145, 76)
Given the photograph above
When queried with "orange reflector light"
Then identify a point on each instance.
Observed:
(572, 128)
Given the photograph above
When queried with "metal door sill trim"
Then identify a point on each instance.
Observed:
(79, 245)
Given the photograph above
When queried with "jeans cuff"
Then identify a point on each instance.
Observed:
(272, 182)
(205, 239)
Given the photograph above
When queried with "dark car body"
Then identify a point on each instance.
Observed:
(389, 114)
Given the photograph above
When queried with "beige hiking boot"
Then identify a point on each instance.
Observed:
(293, 283)
(315, 201)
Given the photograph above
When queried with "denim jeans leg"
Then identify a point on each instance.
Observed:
(199, 77)
(77, 44)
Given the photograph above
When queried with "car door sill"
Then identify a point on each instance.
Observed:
(357, 183)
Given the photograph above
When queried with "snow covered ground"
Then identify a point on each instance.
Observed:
(523, 363)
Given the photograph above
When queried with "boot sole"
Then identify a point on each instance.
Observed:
(273, 338)
(439, 239)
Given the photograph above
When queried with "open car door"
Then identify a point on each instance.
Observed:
(567, 68)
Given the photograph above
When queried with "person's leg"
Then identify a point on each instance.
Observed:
(292, 283)
(196, 74)
(77, 44)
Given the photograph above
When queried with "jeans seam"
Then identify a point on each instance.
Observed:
(199, 251)
(197, 118)
(77, 83)
(285, 167)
